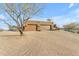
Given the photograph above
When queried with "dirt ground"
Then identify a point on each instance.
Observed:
(42, 43)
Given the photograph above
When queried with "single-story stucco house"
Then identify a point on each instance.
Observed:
(32, 25)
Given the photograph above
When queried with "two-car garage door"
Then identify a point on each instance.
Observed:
(32, 27)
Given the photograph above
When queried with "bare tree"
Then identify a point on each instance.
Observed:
(21, 13)
(49, 20)
(70, 26)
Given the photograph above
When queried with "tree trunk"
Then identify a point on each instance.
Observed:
(21, 32)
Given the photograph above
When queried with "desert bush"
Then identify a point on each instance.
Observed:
(1, 30)
(72, 27)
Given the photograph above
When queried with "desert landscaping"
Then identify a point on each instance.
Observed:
(38, 29)
(43, 43)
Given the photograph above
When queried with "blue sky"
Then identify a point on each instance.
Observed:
(60, 13)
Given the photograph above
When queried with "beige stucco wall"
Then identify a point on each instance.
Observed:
(37, 25)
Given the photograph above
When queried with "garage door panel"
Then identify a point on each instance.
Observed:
(30, 28)
(44, 28)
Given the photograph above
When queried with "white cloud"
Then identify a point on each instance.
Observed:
(71, 5)
(72, 16)
(2, 17)
(77, 16)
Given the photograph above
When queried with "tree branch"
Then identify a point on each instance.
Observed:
(13, 18)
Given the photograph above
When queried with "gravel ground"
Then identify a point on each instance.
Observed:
(43, 43)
